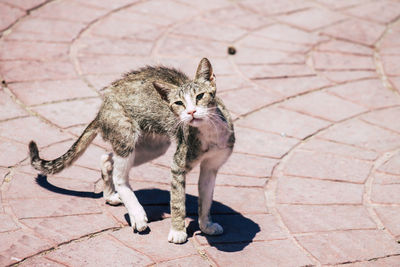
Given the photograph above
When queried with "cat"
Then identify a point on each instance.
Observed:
(140, 115)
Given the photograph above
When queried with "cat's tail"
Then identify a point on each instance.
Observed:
(75, 151)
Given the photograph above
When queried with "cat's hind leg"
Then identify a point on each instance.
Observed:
(137, 215)
(109, 193)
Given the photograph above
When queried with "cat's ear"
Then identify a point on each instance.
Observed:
(164, 88)
(205, 71)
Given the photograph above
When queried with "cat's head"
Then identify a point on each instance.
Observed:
(193, 102)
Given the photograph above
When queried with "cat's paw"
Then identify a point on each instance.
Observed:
(139, 219)
(177, 237)
(212, 228)
(113, 199)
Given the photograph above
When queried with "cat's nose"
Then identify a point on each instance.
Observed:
(191, 112)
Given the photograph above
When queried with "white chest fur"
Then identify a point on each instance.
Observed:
(214, 135)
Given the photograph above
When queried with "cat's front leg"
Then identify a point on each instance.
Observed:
(206, 185)
(177, 234)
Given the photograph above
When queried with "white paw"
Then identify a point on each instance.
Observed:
(139, 220)
(113, 199)
(177, 237)
(212, 228)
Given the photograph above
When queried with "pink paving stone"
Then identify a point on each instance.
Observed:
(347, 76)
(392, 166)
(386, 193)
(275, 7)
(247, 55)
(282, 121)
(17, 50)
(155, 244)
(178, 46)
(259, 143)
(68, 11)
(322, 105)
(40, 261)
(194, 260)
(151, 173)
(205, 30)
(306, 218)
(391, 65)
(338, 61)
(61, 206)
(19, 244)
(247, 165)
(131, 15)
(340, 4)
(12, 153)
(363, 135)
(99, 81)
(41, 29)
(106, 4)
(24, 4)
(104, 46)
(382, 262)
(173, 10)
(38, 92)
(206, 4)
(9, 15)
(312, 19)
(230, 82)
(20, 71)
(98, 251)
(250, 99)
(294, 86)
(276, 71)
(24, 130)
(239, 203)
(63, 229)
(385, 178)
(327, 166)
(84, 176)
(7, 224)
(395, 81)
(252, 40)
(348, 246)
(355, 30)
(286, 33)
(389, 215)
(345, 48)
(8, 108)
(271, 253)
(381, 11)
(112, 64)
(370, 93)
(309, 191)
(115, 27)
(70, 113)
(248, 228)
(239, 17)
(24, 186)
(326, 146)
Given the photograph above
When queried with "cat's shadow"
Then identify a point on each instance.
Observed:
(239, 231)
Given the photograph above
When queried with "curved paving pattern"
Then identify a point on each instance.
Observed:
(314, 88)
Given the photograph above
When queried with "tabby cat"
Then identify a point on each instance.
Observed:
(140, 115)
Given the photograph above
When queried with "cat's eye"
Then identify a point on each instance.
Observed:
(179, 103)
(199, 96)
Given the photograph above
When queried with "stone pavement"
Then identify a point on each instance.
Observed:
(314, 89)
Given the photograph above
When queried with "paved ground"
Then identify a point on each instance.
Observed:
(314, 88)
